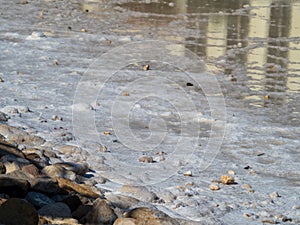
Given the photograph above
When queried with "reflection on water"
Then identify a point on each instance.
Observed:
(258, 40)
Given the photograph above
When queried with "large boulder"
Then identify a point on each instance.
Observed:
(17, 211)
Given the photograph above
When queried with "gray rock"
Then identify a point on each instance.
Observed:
(38, 199)
(58, 209)
(3, 116)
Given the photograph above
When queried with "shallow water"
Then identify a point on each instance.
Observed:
(251, 48)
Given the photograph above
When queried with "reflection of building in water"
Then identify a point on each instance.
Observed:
(293, 82)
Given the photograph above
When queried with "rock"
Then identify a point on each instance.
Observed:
(246, 186)
(8, 149)
(31, 169)
(18, 211)
(58, 209)
(102, 213)
(121, 201)
(231, 172)
(225, 179)
(69, 149)
(12, 166)
(3, 116)
(139, 192)
(214, 187)
(39, 200)
(167, 196)
(81, 211)
(57, 221)
(188, 173)
(79, 188)
(80, 169)
(58, 171)
(2, 168)
(146, 159)
(13, 187)
(274, 195)
(47, 186)
(147, 216)
(125, 221)
(73, 202)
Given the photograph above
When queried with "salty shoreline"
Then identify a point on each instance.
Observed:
(49, 46)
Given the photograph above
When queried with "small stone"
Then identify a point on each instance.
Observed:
(3, 116)
(108, 42)
(286, 219)
(225, 179)
(188, 173)
(246, 186)
(102, 148)
(267, 220)
(18, 211)
(1, 80)
(146, 67)
(58, 209)
(146, 159)
(274, 195)
(214, 187)
(239, 45)
(231, 172)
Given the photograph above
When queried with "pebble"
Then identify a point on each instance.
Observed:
(231, 172)
(3, 116)
(188, 173)
(274, 195)
(214, 187)
(225, 179)
(246, 186)
(146, 159)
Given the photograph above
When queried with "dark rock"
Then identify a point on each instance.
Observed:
(81, 211)
(37, 199)
(47, 186)
(102, 213)
(58, 209)
(2, 168)
(13, 187)
(18, 211)
(73, 202)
